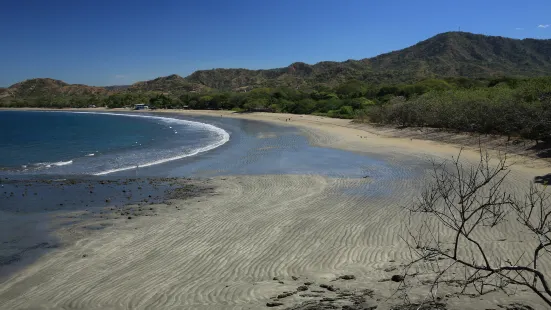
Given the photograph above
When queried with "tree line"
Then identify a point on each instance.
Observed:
(504, 105)
(510, 107)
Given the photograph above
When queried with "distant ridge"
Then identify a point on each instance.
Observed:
(172, 82)
(45, 86)
(450, 54)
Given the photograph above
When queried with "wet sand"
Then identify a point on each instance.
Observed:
(43, 214)
(255, 237)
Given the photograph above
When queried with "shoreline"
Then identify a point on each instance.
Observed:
(242, 246)
(212, 137)
(349, 136)
(256, 237)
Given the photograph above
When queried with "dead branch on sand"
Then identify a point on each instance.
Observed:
(463, 204)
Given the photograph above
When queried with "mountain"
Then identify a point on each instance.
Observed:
(47, 87)
(117, 87)
(465, 54)
(449, 54)
(172, 82)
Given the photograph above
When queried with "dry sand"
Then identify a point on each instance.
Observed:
(223, 251)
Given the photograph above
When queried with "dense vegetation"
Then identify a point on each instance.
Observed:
(502, 105)
(448, 81)
(508, 107)
(341, 101)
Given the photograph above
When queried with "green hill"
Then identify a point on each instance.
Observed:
(171, 83)
(450, 54)
(43, 87)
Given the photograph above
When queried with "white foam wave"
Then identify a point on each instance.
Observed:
(59, 163)
(62, 163)
(90, 155)
(223, 137)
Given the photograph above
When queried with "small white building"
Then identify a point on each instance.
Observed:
(140, 106)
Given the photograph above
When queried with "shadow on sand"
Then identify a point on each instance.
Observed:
(542, 149)
(543, 179)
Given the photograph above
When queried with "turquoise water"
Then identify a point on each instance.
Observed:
(95, 144)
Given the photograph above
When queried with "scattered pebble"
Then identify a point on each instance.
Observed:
(302, 288)
(328, 287)
(348, 277)
(397, 278)
(274, 304)
(285, 295)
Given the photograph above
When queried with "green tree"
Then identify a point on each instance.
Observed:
(351, 89)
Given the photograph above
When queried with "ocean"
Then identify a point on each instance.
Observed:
(72, 171)
(84, 143)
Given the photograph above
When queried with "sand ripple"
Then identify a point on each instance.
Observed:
(223, 252)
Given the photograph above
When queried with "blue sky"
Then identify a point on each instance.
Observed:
(120, 42)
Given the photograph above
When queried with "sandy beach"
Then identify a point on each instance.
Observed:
(256, 237)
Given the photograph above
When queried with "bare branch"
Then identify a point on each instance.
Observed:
(464, 199)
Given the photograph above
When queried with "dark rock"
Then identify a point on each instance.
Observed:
(397, 278)
(366, 305)
(390, 269)
(129, 217)
(302, 288)
(516, 306)
(425, 306)
(315, 305)
(348, 277)
(276, 279)
(273, 304)
(308, 283)
(285, 295)
(328, 287)
(294, 278)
